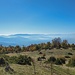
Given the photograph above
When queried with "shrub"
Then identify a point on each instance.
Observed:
(60, 61)
(2, 62)
(6, 57)
(13, 59)
(70, 54)
(52, 59)
(39, 59)
(40, 53)
(24, 60)
(73, 48)
(67, 56)
(71, 62)
(43, 57)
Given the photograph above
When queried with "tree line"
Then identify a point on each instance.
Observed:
(55, 43)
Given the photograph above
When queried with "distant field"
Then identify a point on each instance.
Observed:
(40, 67)
(52, 52)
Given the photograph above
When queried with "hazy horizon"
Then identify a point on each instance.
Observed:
(36, 34)
(27, 39)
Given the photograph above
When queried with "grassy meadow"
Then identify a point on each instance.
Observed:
(41, 68)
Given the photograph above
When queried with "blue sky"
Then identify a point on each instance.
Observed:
(37, 16)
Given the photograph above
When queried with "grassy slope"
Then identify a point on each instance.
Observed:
(41, 69)
(28, 70)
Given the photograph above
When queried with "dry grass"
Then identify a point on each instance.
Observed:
(41, 68)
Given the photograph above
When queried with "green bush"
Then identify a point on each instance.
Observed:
(67, 57)
(24, 60)
(70, 53)
(13, 59)
(52, 59)
(2, 62)
(73, 48)
(71, 62)
(8, 59)
(63, 60)
(60, 61)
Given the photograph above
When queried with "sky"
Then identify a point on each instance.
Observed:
(37, 17)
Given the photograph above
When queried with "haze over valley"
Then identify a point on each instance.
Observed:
(27, 39)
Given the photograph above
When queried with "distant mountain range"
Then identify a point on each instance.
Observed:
(27, 39)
